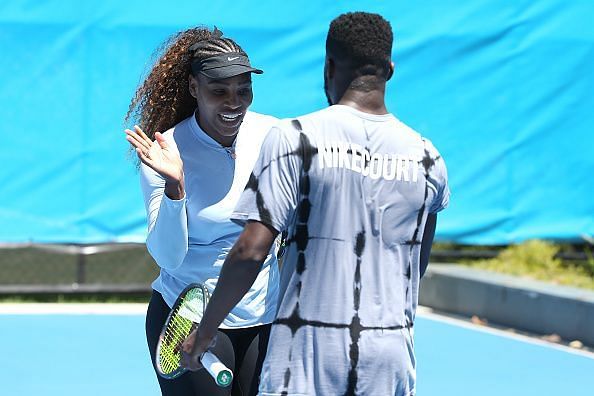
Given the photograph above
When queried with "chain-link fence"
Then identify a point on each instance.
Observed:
(38, 269)
(30, 269)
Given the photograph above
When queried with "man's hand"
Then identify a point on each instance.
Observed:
(193, 347)
(239, 272)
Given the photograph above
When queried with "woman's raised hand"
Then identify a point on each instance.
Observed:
(157, 154)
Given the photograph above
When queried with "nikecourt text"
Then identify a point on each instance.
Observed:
(358, 159)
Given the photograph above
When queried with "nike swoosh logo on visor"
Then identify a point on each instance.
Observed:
(232, 59)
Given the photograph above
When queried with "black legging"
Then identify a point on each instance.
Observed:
(242, 350)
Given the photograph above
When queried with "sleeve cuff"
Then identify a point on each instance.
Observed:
(241, 219)
(174, 202)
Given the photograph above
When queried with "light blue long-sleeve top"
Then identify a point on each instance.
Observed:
(190, 238)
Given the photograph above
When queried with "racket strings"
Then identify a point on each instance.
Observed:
(180, 325)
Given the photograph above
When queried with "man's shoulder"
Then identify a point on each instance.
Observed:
(318, 115)
(287, 133)
(414, 137)
(407, 130)
(256, 126)
(252, 117)
(303, 123)
(430, 149)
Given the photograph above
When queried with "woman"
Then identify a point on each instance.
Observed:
(199, 91)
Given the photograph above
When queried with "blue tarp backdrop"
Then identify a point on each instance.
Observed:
(504, 89)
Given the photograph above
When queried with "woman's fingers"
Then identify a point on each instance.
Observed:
(143, 156)
(161, 140)
(141, 133)
(137, 141)
(139, 148)
(133, 140)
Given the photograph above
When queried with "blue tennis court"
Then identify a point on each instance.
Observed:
(105, 354)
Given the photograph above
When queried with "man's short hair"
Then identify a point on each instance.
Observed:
(361, 38)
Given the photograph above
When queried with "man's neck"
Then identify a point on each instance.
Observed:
(371, 102)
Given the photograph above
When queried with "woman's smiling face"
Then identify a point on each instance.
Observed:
(222, 104)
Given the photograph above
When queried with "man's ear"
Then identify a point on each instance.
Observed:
(390, 71)
(329, 67)
(193, 86)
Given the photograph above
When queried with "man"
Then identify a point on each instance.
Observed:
(357, 191)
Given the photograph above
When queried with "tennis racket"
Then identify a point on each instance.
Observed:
(182, 320)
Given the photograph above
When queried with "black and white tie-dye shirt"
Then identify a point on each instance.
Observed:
(353, 190)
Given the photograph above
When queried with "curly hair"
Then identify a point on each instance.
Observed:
(362, 39)
(163, 99)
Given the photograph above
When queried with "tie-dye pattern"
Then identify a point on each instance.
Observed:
(349, 282)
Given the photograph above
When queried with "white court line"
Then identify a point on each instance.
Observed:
(72, 309)
(428, 313)
(140, 309)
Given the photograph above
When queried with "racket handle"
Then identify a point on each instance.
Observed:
(221, 374)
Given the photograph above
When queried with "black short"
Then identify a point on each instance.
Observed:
(242, 350)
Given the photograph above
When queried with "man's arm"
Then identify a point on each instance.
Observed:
(428, 235)
(239, 272)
